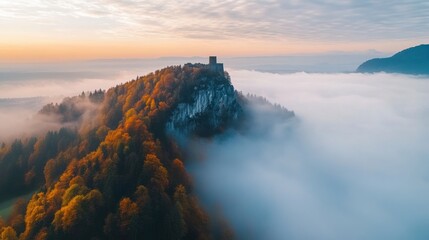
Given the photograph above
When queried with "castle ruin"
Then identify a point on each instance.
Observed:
(214, 66)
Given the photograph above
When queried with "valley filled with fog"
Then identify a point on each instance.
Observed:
(352, 164)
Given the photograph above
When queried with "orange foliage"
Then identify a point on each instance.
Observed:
(120, 179)
(35, 215)
(128, 215)
(156, 172)
(8, 233)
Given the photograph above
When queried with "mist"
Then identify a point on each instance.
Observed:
(26, 87)
(352, 164)
(20, 118)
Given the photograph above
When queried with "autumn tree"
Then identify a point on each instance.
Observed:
(113, 173)
(8, 233)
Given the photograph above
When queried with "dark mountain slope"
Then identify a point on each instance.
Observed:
(413, 60)
(114, 171)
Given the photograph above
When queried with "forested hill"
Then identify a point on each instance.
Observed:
(413, 60)
(113, 171)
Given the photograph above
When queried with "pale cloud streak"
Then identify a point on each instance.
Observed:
(327, 20)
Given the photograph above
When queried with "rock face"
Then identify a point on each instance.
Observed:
(213, 106)
(413, 60)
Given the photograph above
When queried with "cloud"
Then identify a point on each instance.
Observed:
(352, 165)
(226, 19)
(18, 118)
(70, 78)
(26, 88)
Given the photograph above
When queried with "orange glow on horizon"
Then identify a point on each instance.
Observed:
(65, 51)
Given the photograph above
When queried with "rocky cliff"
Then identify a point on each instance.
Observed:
(213, 106)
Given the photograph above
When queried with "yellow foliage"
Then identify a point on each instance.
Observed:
(8, 233)
(153, 105)
(42, 235)
(72, 192)
(36, 212)
(68, 215)
(77, 180)
(80, 210)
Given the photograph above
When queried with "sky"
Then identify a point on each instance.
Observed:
(46, 30)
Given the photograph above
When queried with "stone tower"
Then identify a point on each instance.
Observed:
(212, 60)
(214, 66)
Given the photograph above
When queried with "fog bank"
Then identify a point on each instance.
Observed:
(352, 165)
(71, 78)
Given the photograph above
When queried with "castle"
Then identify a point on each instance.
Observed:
(214, 66)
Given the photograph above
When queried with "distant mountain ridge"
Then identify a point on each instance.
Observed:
(414, 60)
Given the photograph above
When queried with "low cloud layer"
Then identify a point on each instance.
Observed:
(62, 79)
(26, 88)
(352, 165)
(18, 117)
(22, 80)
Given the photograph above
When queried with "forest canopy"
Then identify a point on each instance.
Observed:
(112, 174)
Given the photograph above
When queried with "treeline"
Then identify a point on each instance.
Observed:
(120, 178)
(72, 109)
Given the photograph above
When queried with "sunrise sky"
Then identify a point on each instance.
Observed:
(38, 30)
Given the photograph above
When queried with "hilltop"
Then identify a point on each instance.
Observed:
(413, 60)
(114, 170)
